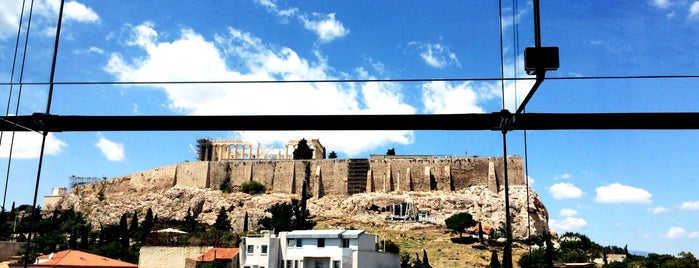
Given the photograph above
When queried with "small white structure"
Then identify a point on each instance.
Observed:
(315, 249)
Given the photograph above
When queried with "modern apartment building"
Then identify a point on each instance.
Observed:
(315, 249)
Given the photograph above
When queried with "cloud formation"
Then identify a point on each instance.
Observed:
(657, 210)
(47, 11)
(679, 232)
(690, 205)
(327, 28)
(565, 190)
(618, 193)
(569, 223)
(694, 10)
(436, 55)
(193, 58)
(112, 150)
(27, 145)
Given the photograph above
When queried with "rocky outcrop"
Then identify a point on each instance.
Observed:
(105, 201)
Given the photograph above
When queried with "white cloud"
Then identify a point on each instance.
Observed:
(569, 224)
(694, 10)
(690, 205)
(326, 28)
(565, 190)
(46, 9)
(618, 193)
(112, 150)
(563, 176)
(679, 232)
(79, 12)
(657, 210)
(661, 4)
(72, 10)
(448, 98)
(27, 145)
(566, 212)
(192, 58)
(273, 8)
(436, 55)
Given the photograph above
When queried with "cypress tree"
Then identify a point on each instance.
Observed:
(245, 223)
(425, 261)
(124, 231)
(494, 262)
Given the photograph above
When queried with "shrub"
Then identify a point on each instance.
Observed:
(253, 187)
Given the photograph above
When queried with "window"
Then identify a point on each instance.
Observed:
(263, 250)
(319, 264)
(299, 242)
(291, 243)
(289, 264)
(296, 263)
(321, 242)
(251, 249)
(345, 243)
(336, 264)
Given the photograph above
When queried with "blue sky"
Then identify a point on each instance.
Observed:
(635, 188)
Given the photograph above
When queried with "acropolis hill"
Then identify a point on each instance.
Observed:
(357, 188)
(235, 160)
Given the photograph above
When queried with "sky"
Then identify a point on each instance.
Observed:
(619, 187)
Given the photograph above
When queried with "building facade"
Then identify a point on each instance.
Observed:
(315, 249)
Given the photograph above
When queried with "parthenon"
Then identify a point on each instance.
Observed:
(219, 150)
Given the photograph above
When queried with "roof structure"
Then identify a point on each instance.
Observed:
(218, 254)
(75, 258)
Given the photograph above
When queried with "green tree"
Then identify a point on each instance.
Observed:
(146, 225)
(405, 260)
(302, 151)
(459, 222)
(390, 246)
(304, 187)
(425, 260)
(124, 231)
(189, 221)
(225, 185)
(332, 155)
(133, 227)
(480, 233)
(222, 223)
(245, 223)
(253, 187)
(286, 217)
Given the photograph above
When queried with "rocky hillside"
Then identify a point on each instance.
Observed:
(105, 201)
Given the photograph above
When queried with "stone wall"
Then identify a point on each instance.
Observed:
(330, 176)
(193, 174)
(162, 178)
(9, 249)
(172, 257)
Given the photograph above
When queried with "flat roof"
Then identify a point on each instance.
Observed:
(352, 233)
(318, 234)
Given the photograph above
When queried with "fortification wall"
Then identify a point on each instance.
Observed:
(162, 178)
(194, 174)
(330, 176)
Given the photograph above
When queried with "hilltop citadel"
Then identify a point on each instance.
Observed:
(236, 161)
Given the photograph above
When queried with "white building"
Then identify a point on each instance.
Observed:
(315, 249)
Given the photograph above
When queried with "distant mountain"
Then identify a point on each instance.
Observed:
(639, 253)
